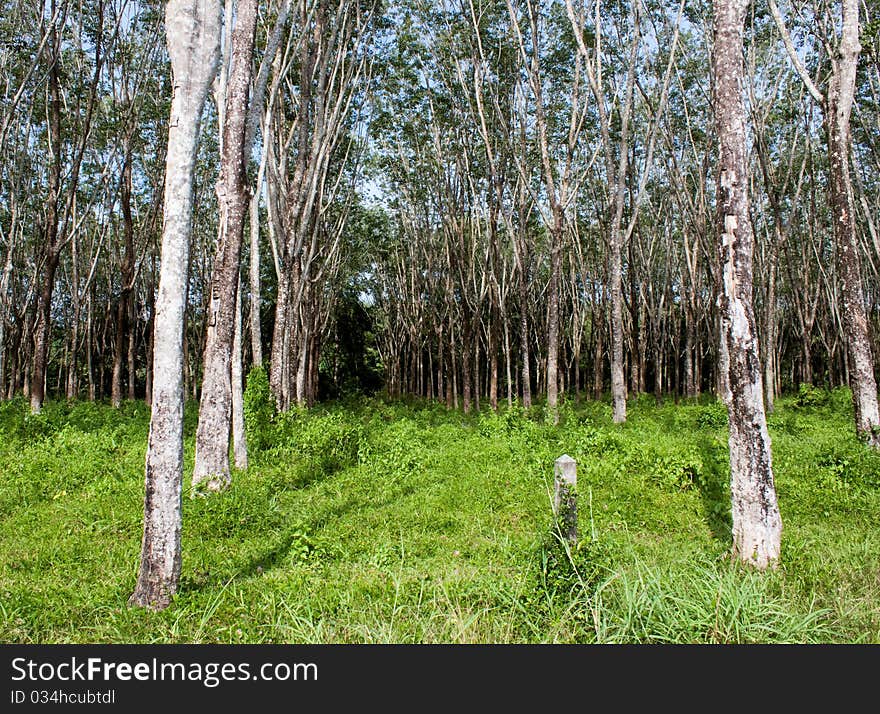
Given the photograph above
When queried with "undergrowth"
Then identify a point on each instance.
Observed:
(374, 521)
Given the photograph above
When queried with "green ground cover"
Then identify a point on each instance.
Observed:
(368, 521)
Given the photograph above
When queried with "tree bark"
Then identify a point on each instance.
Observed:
(770, 332)
(466, 366)
(50, 232)
(598, 354)
(193, 36)
(757, 525)
(123, 307)
(239, 437)
(522, 286)
(215, 408)
(256, 294)
(553, 314)
(855, 320)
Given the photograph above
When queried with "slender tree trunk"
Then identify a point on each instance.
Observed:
(314, 372)
(123, 305)
(466, 365)
(454, 373)
(493, 366)
(118, 352)
(4, 284)
(524, 337)
(50, 233)
(837, 107)
(507, 365)
(618, 381)
(215, 410)
(90, 338)
(770, 332)
(476, 373)
(598, 355)
(807, 357)
(643, 349)
(450, 369)
(689, 349)
(278, 372)
(855, 320)
(429, 374)
(256, 296)
(757, 525)
(193, 36)
(302, 364)
(553, 316)
(72, 386)
(441, 365)
(239, 438)
(658, 372)
(148, 378)
(132, 345)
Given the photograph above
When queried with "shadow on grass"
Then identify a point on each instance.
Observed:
(713, 486)
(295, 542)
(201, 579)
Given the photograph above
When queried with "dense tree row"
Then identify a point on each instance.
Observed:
(468, 180)
(456, 141)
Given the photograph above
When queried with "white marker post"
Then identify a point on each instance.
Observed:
(565, 501)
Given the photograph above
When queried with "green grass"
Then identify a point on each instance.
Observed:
(366, 521)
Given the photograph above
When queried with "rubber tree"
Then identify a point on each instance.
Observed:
(757, 525)
(192, 30)
(836, 103)
(215, 408)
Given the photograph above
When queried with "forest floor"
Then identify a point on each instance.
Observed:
(369, 521)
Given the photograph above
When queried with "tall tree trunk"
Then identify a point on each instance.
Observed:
(507, 365)
(119, 343)
(770, 332)
(123, 306)
(239, 438)
(4, 283)
(493, 365)
(193, 36)
(689, 349)
(90, 349)
(643, 348)
(72, 387)
(50, 232)
(302, 363)
(476, 372)
(132, 345)
(553, 315)
(279, 374)
(524, 335)
(837, 106)
(757, 525)
(215, 410)
(149, 335)
(598, 354)
(466, 366)
(618, 381)
(807, 357)
(841, 90)
(256, 298)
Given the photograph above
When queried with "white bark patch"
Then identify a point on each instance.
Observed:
(728, 178)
